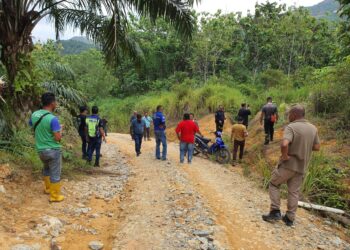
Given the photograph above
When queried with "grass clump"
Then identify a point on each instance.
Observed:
(323, 182)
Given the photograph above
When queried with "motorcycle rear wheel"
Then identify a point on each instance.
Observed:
(223, 156)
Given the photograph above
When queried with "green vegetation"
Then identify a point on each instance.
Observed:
(145, 61)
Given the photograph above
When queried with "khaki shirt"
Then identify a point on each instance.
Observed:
(238, 132)
(302, 136)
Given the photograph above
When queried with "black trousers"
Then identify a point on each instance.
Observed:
(269, 130)
(219, 126)
(84, 145)
(236, 145)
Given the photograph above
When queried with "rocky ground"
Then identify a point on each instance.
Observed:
(142, 203)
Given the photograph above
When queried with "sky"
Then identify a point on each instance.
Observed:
(45, 30)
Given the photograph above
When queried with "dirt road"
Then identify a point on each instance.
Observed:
(143, 203)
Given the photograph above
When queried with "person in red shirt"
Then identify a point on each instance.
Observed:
(186, 131)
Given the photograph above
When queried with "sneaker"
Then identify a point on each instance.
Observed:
(287, 221)
(137, 154)
(158, 158)
(163, 159)
(273, 216)
(190, 162)
(97, 165)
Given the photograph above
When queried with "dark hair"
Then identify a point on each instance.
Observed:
(243, 105)
(269, 99)
(82, 109)
(186, 116)
(47, 98)
(139, 116)
(159, 107)
(94, 110)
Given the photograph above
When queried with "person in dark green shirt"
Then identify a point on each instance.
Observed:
(48, 134)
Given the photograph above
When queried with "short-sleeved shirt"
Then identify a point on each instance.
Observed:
(187, 129)
(138, 127)
(269, 109)
(244, 113)
(147, 120)
(97, 127)
(238, 132)
(44, 132)
(159, 121)
(302, 136)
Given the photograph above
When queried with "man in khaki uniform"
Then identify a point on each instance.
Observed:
(299, 140)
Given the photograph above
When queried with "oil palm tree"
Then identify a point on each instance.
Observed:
(104, 21)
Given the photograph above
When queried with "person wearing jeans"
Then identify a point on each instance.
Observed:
(186, 131)
(48, 134)
(186, 149)
(138, 127)
(95, 135)
(159, 132)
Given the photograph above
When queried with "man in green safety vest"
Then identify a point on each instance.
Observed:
(95, 135)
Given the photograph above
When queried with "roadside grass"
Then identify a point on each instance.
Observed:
(21, 152)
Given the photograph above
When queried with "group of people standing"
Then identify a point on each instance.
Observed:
(299, 140)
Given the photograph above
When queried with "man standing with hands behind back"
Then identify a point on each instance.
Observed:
(299, 140)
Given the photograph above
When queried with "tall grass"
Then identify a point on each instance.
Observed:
(182, 98)
(323, 182)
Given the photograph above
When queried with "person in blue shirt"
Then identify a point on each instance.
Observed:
(138, 127)
(95, 135)
(159, 132)
(148, 120)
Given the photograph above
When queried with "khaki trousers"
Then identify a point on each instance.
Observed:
(294, 181)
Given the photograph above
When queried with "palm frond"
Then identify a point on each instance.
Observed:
(64, 93)
(60, 71)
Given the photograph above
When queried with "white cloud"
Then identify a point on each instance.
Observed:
(45, 30)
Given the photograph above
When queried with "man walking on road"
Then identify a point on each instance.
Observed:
(95, 132)
(244, 112)
(159, 132)
(299, 140)
(220, 118)
(48, 134)
(132, 118)
(138, 127)
(238, 135)
(269, 114)
(148, 120)
(186, 131)
(81, 122)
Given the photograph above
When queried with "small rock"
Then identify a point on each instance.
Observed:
(202, 233)
(26, 247)
(2, 189)
(96, 245)
(337, 241)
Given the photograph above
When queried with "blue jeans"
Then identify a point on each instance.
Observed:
(94, 145)
(52, 160)
(186, 148)
(138, 142)
(160, 139)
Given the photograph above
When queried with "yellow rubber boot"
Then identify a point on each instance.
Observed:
(47, 184)
(55, 192)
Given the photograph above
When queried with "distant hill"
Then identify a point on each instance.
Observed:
(76, 45)
(326, 9)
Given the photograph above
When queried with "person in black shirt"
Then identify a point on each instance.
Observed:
(269, 114)
(220, 118)
(104, 122)
(81, 121)
(244, 112)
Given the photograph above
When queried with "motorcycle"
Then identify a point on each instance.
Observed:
(218, 148)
